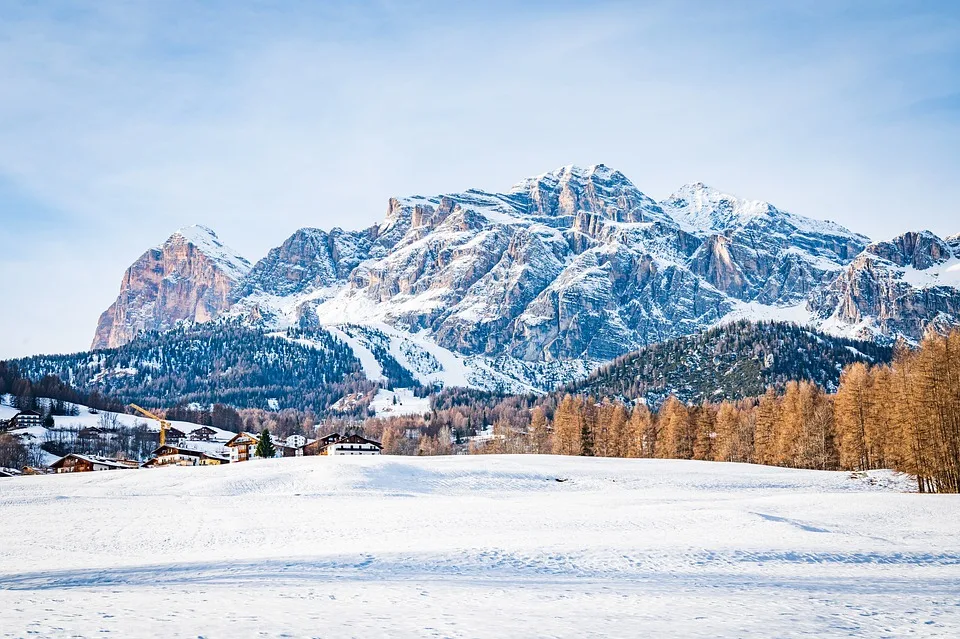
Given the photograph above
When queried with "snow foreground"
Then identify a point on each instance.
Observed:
(481, 546)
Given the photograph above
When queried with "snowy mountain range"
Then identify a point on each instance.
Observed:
(538, 285)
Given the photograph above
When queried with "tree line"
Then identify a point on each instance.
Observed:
(903, 415)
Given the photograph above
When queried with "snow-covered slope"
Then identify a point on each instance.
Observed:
(204, 240)
(66, 427)
(477, 546)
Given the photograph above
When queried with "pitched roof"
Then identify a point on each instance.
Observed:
(357, 439)
(94, 459)
(255, 438)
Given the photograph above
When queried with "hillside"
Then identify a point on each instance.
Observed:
(732, 361)
(430, 546)
(224, 362)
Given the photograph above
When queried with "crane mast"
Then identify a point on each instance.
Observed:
(164, 424)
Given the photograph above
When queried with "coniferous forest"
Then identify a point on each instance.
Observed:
(222, 362)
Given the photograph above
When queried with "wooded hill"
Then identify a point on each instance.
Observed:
(222, 362)
(730, 362)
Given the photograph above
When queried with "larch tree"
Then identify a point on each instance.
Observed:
(642, 432)
(539, 432)
(743, 440)
(619, 430)
(852, 409)
(676, 437)
(727, 422)
(794, 410)
(567, 427)
(704, 436)
(603, 444)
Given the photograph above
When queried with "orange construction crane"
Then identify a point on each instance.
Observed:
(164, 424)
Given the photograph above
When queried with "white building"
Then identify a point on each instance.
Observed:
(353, 445)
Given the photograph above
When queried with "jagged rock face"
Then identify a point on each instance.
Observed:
(190, 277)
(598, 190)
(575, 263)
(756, 252)
(898, 288)
(919, 250)
(310, 259)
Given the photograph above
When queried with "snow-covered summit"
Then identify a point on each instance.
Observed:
(206, 241)
(702, 209)
(570, 172)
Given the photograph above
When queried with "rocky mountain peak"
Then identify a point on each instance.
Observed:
(597, 189)
(702, 209)
(899, 287)
(921, 250)
(189, 277)
(205, 240)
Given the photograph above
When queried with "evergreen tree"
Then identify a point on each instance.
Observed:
(265, 448)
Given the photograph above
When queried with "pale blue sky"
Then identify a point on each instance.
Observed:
(120, 122)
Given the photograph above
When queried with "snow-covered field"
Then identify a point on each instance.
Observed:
(398, 402)
(480, 546)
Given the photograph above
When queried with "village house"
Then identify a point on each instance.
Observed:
(337, 444)
(174, 434)
(9, 472)
(75, 463)
(202, 434)
(24, 419)
(36, 470)
(296, 441)
(183, 455)
(242, 446)
(288, 451)
(318, 446)
(94, 433)
(353, 445)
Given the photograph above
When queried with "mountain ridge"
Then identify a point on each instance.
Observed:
(572, 264)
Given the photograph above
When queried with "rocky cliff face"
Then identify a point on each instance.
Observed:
(190, 277)
(894, 289)
(576, 263)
